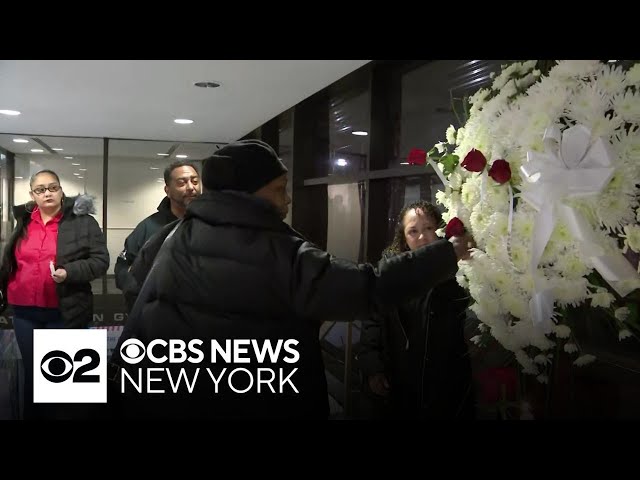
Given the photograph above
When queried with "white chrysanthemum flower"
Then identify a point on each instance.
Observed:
(543, 378)
(498, 222)
(470, 193)
(562, 331)
(572, 265)
(462, 280)
(575, 68)
(455, 180)
(451, 135)
(588, 106)
(510, 89)
(495, 247)
(440, 232)
(485, 310)
(605, 126)
(527, 363)
(584, 360)
(615, 210)
(526, 283)
(627, 145)
(520, 256)
(547, 96)
(497, 198)
(482, 327)
(525, 82)
(440, 146)
(541, 359)
(505, 76)
(570, 291)
(622, 313)
(477, 339)
(633, 75)
(570, 348)
(514, 303)
(441, 197)
(610, 79)
(624, 333)
(479, 221)
(632, 237)
(551, 253)
(538, 339)
(602, 298)
(460, 135)
(627, 105)
(479, 97)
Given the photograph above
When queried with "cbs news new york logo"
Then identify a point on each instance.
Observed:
(70, 366)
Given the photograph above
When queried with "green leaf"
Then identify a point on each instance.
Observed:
(433, 153)
(450, 162)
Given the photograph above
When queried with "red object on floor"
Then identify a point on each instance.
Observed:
(491, 380)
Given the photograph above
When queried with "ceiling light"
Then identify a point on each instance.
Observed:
(76, 173)
(82, 169)
(163, 154)
(57, 149)
(68, 158)
(360, 133)
(154, 168)
(207, 84)
(182, 156)
(37, 150)
(341, 162)
(79, 176)
(75, 164)
(404, 163)
(18, 178)
(20, 140)
(10, 112)
(612, 61)
(183, 121)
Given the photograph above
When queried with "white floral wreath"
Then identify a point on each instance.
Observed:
(548, 187)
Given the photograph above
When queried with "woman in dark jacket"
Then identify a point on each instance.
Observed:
(54, 253)
(414, 357)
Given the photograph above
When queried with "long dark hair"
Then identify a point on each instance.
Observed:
(399, 243)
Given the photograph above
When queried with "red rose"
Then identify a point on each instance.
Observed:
(417, 157)
(455, 228)
(500, 171)
(474, 161)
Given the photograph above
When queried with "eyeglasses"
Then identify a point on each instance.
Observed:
(51, 188)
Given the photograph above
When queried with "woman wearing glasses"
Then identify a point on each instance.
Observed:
(55, 251)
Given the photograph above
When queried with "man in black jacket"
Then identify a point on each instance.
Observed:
(182, 185)
(234, 271)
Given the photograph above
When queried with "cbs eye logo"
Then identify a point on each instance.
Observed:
(132, 351)
(69, 365)
(57, 366)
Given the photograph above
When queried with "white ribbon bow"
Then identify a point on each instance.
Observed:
(572, 165)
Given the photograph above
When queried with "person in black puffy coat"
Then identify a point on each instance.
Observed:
(234, 270)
